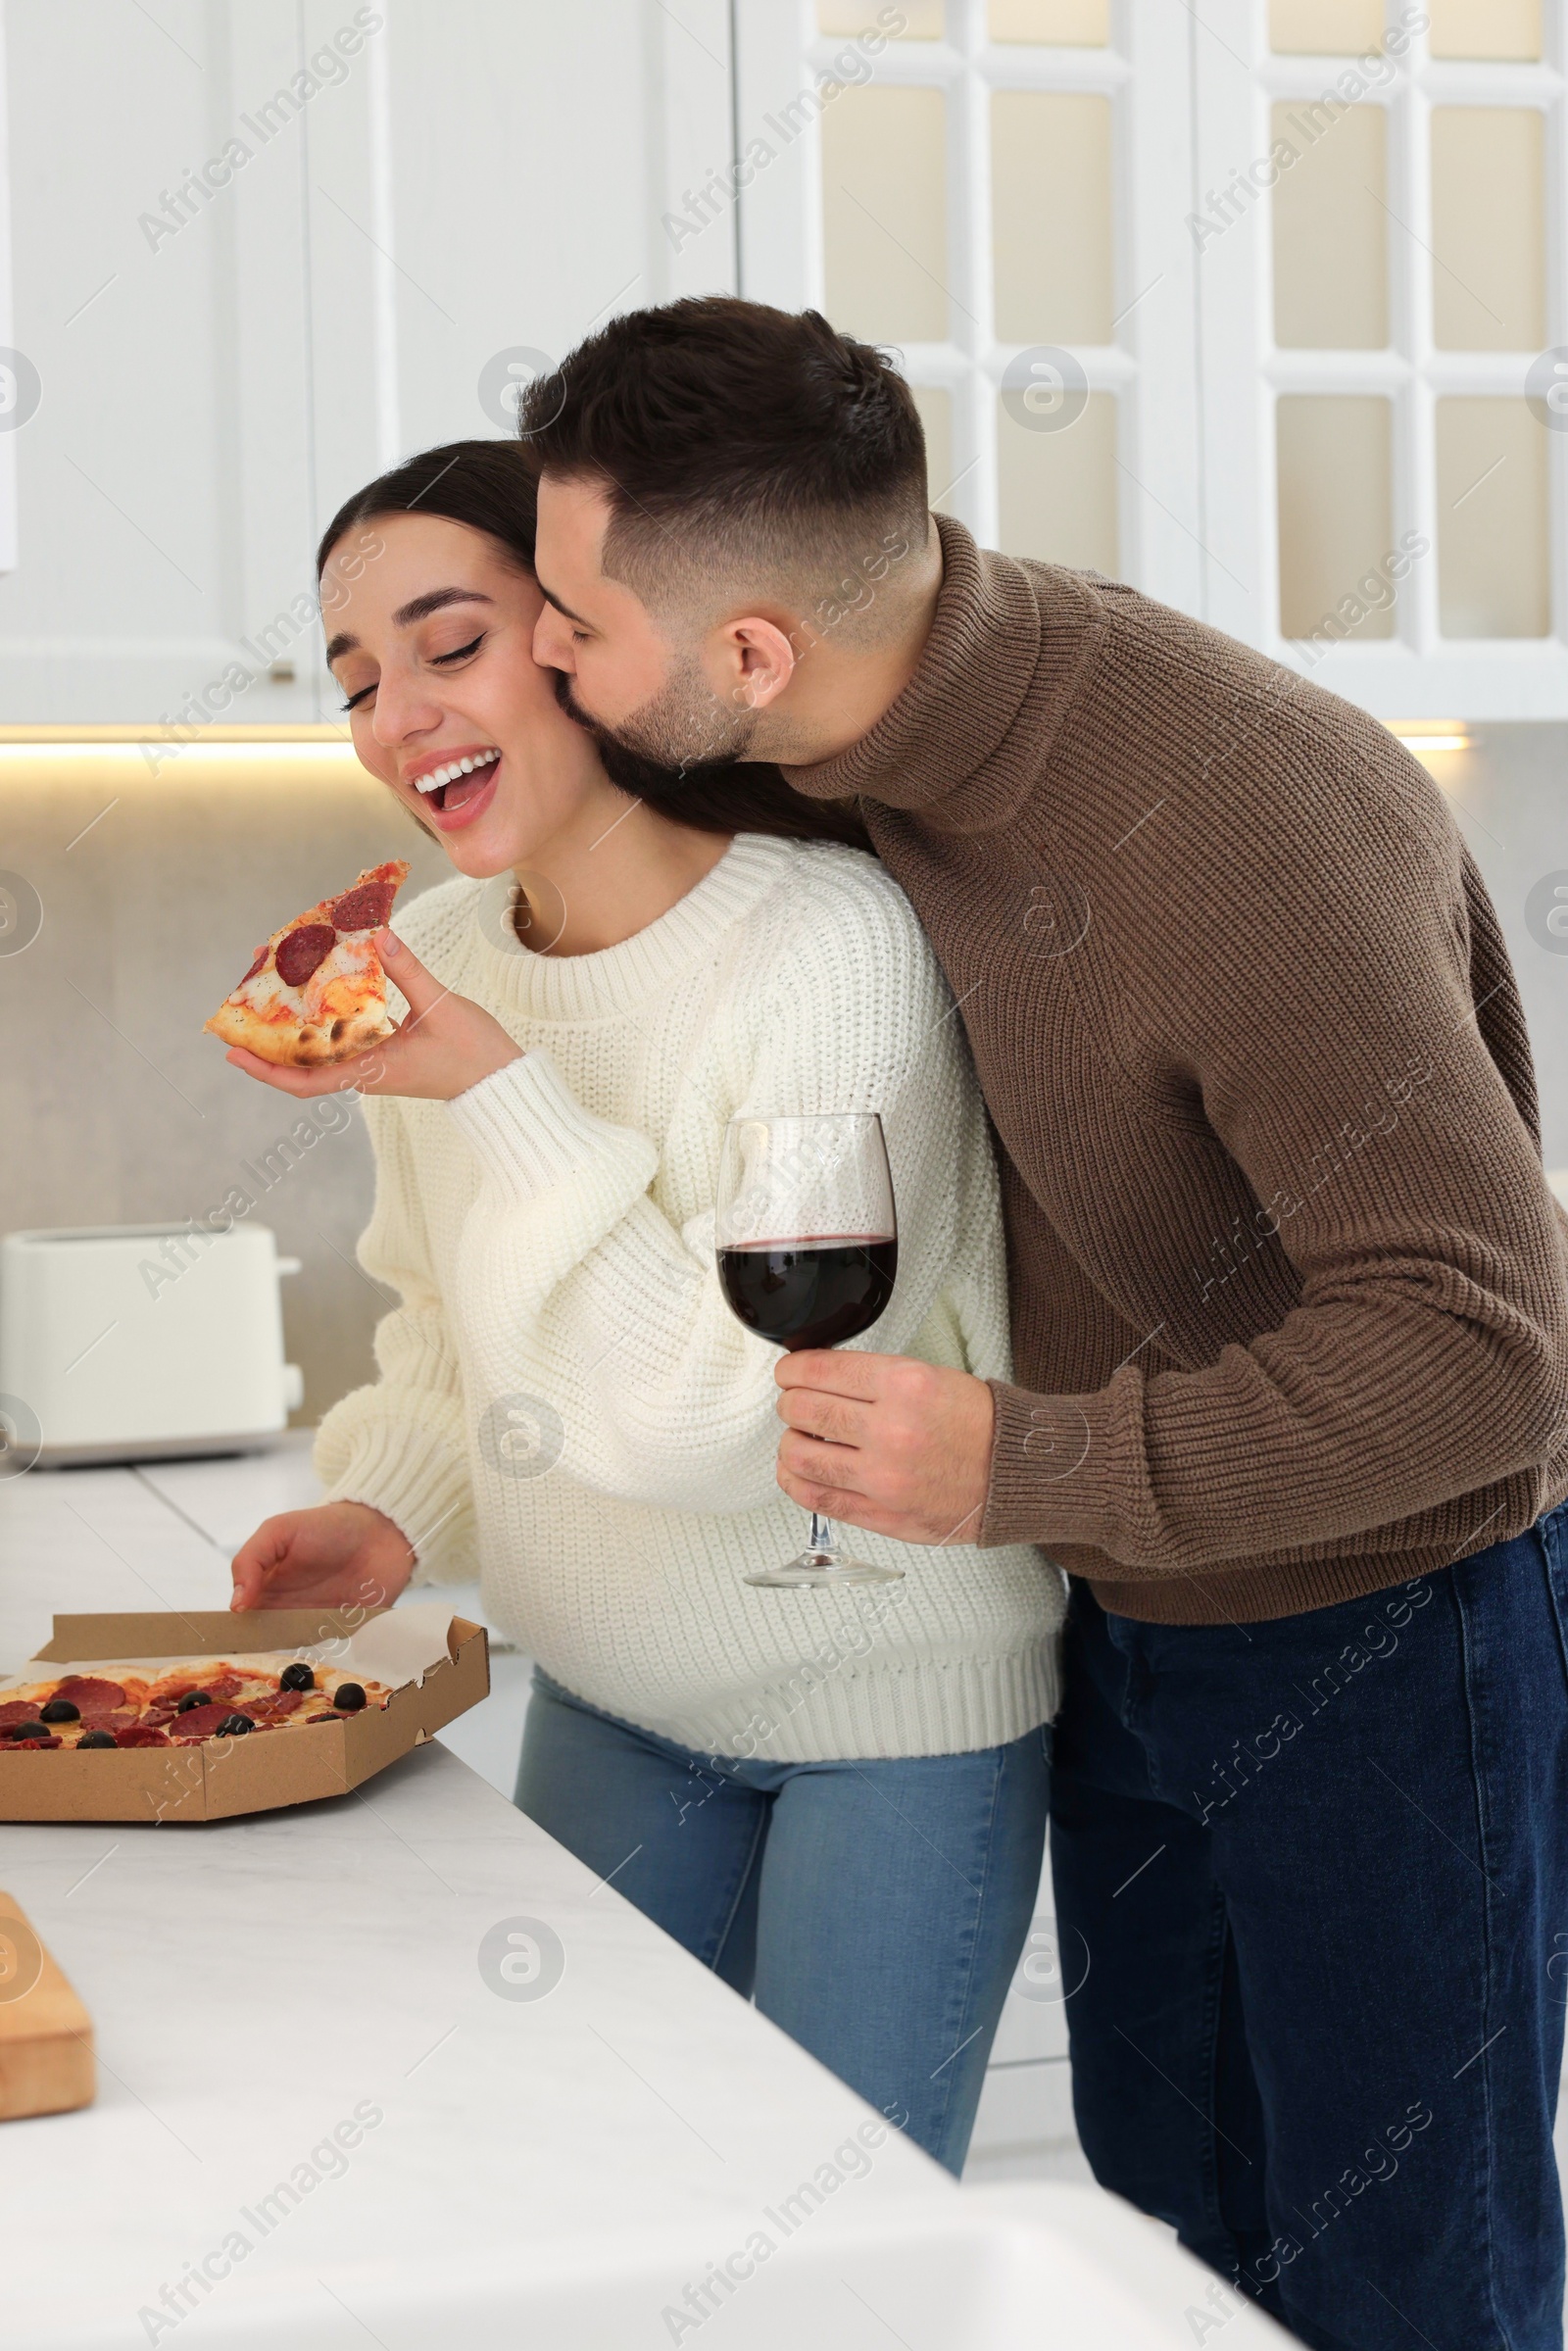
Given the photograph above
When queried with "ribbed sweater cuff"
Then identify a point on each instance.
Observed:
(528, 1130)
(414, 1481)
(1052, 1469)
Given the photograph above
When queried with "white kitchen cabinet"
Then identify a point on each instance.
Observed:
(286, 243)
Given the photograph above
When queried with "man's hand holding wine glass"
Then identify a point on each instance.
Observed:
(882, 1441)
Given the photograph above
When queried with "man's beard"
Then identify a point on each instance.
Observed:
(683, 733)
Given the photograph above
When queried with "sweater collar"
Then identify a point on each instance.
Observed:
(1004, 636)
(615, 979)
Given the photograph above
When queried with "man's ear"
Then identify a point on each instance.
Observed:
(750, 662)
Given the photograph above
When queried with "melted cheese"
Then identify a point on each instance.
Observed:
(346, 979)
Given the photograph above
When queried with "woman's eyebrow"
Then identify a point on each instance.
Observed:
(420, 608)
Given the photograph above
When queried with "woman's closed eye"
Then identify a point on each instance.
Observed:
(442, 661)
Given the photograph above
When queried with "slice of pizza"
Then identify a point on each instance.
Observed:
(315, 991)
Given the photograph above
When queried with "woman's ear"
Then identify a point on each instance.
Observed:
(750, 662)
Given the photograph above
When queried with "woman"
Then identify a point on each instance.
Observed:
(836, 1799)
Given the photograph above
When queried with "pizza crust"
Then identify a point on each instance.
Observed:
(303, 1045)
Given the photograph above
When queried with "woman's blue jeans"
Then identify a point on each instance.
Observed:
(876, 1910)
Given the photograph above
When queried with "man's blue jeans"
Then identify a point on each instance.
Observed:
(877, 1909)
(1312, 1893)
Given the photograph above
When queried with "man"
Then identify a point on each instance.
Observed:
(1290, 1304)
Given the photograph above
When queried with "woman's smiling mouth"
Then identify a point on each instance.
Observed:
(455, 788)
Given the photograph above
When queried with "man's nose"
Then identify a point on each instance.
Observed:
(552, 641)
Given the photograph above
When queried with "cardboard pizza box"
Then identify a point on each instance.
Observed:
(447, 1666)
(46, 2059)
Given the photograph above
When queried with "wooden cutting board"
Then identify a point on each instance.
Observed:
(46, 2060)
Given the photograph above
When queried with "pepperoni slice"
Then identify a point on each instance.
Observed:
(16, 1747)
(141, 1735)
(170, 1693)
(303, 950)
(202, 1721)
(164, 1701)
(274, 1707)
(165, 1707)
(85, 1690)
(261, 954)
(18, 1710)
(364, 908)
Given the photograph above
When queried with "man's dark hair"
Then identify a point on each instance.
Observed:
(491, 487)
(736, 442)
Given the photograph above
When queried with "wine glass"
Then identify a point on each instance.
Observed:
(807, 1249)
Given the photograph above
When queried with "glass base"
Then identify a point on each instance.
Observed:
(821, 1568)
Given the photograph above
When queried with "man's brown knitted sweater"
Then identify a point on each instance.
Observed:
(1290, 1291)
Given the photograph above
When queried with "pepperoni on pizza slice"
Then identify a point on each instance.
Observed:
(315, 993)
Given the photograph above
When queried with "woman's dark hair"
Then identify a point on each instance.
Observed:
(491, 486)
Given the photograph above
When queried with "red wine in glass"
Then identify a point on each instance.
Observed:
(815, 1293)
(807, 1249)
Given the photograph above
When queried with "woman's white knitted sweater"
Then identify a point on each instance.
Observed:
(568, 1405)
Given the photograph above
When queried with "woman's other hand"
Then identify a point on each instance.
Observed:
(447, 1044)
(336, 1556)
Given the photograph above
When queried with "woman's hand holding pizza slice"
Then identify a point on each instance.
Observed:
(447, 1044)
(310, 1014)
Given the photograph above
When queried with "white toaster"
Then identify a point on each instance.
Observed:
(136, 1343)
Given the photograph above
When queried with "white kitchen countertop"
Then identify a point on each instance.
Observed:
(256, 1983)
(253, 1982)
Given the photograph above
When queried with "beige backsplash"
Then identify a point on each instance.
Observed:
(114, 1108)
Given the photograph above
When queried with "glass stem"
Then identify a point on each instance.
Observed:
(821, 1532)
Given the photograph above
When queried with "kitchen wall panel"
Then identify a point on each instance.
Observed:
(114, 1108)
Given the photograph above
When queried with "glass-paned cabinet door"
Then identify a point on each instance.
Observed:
(1381, 300)
(1260, 304)
(992, 188)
